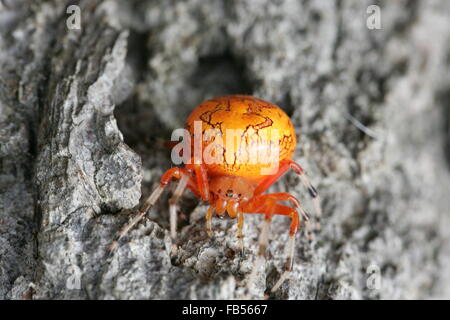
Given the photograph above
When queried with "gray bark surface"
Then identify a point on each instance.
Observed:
(83, 113)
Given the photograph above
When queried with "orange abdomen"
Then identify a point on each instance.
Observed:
(242, 135)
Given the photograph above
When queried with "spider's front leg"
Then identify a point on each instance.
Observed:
(201, 179)
(185, 180)
(198, 184)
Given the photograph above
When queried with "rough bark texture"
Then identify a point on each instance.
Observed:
(82, 114)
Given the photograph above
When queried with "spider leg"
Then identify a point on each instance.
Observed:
(312, 191)
(240, 226)
(173, 206)
(284, 166)
(295, 222)
(202, 185)
(240, 235)
(201, 179)
(126, 228)
(208, 217)
(265, 204)
(263, 241)
(284, 196)
(176, 173)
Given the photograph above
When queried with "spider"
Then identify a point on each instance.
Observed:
(229, 163)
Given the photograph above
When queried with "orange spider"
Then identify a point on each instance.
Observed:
(240, 146)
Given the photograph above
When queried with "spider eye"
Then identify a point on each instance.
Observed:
(240, 194)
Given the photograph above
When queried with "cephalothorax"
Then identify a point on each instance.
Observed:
(239, 146)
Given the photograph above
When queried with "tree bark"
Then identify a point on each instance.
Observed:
(83, 112)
